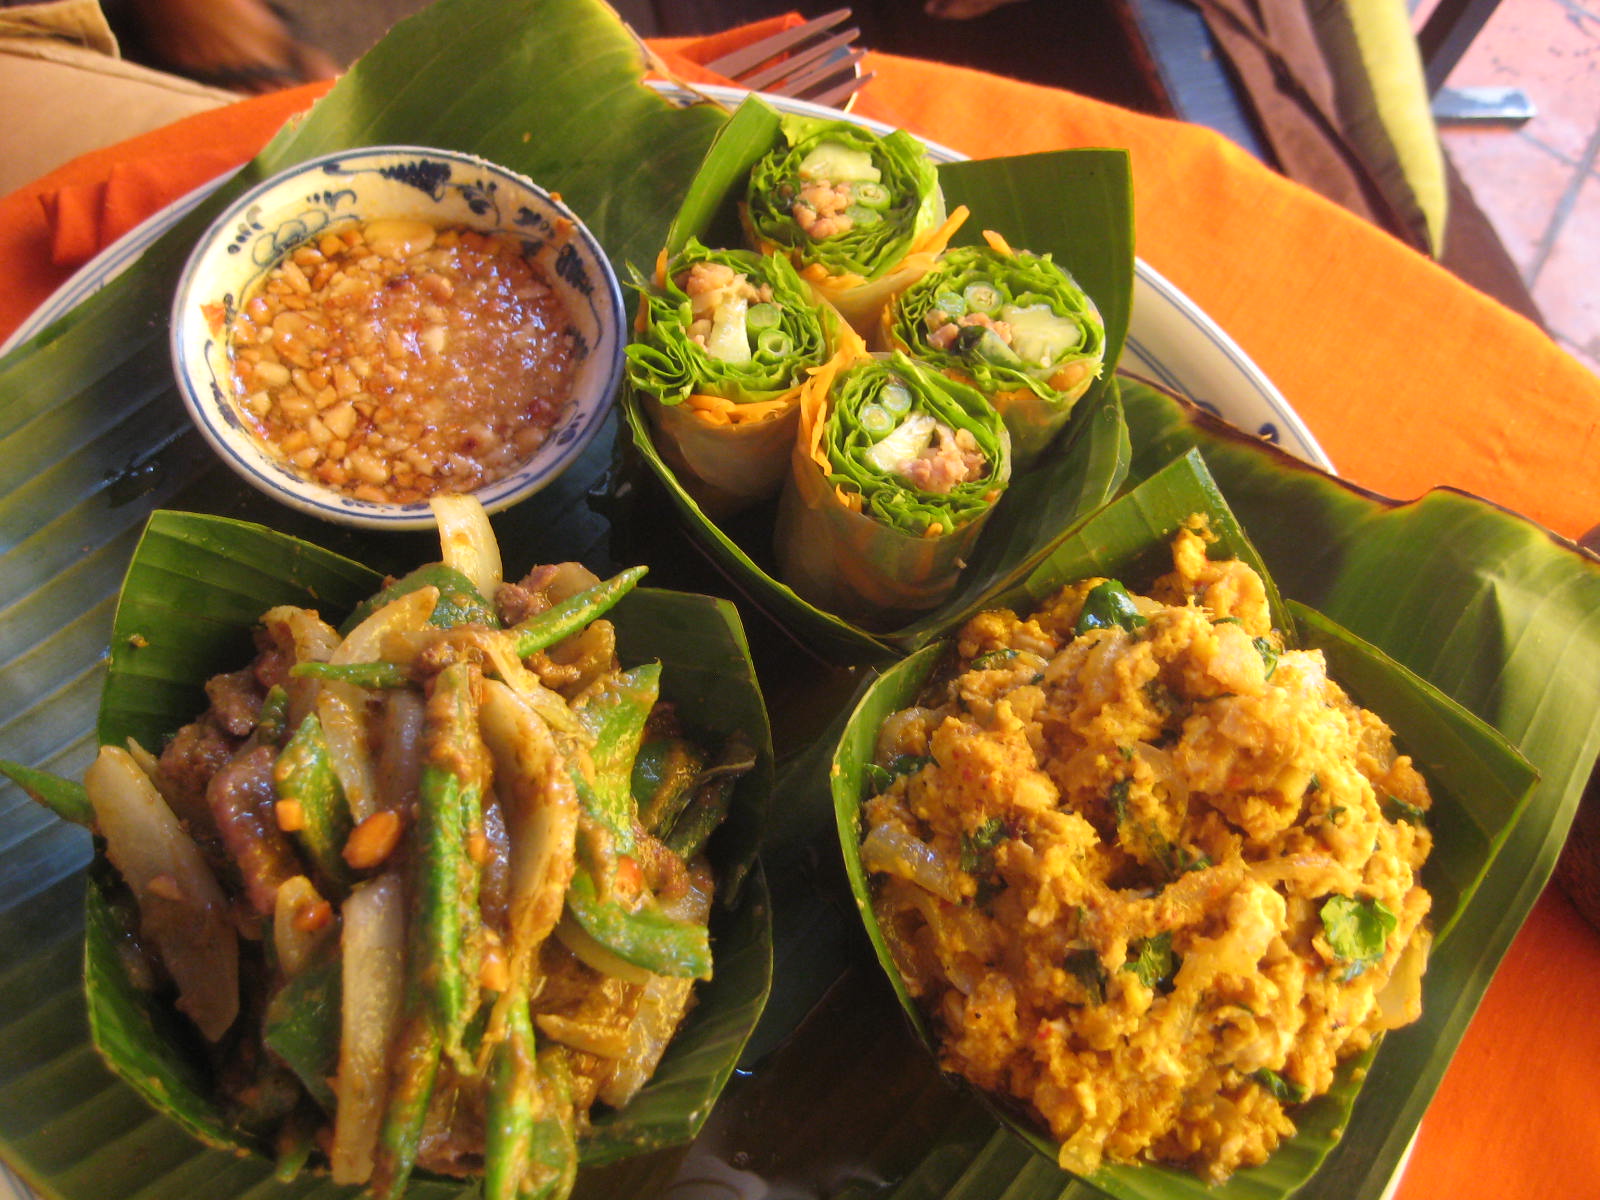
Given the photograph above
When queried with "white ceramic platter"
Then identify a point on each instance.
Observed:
(1170, 341)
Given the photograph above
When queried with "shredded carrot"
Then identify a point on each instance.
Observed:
(717, 410)
(997, 243)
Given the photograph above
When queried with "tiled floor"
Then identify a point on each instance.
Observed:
(1539, 183)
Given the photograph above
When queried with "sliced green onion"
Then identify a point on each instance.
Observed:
(952, 304)
(871, 195)
(981, 297)
(895, 397)
(762, 316)
(774, 342)
(863, 217)
(876, 420)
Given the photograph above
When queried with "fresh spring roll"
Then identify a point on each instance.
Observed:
(1012, 324)
(859, 215)
(895, 471)
(725, 343)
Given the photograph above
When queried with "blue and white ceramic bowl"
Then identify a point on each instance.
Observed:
(442, 188)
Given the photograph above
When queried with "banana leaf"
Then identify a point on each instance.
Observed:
(94, 439)
(1086, 228)
(196, 588)
(1479, 781)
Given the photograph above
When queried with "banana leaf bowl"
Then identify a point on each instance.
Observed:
(1480, 784)
(1087, 229)
(184, 614)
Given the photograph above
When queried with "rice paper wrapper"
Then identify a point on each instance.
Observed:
(859, 541)
(851, 565)
(1035, 394)
(726, 427)
(726, 467)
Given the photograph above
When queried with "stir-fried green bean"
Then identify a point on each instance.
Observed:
(561, 620)
(304, 778)
(446, 945)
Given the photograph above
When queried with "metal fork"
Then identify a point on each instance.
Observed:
(814, 62)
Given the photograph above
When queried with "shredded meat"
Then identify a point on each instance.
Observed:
(241, 797)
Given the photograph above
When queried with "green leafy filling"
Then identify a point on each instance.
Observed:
(1357, 930)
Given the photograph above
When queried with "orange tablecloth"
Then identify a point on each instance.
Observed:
(1408, 378)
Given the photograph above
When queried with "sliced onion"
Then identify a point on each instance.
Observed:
(896, 852)
(373, 946)
(399, 762)
(341, 707)
(541, 812)
(181, 908)
(467, 541)
(311, 639)
(1167, 774)
(1400, 999)
(301, 924)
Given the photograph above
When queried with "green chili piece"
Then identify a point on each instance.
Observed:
(373, 675)
(569, 616)
(663, 778)
(414, 1067)
(513, 1105)
(445, 947)
(553, 1151)
(272, 720)
(1108, 604)
(301, 1027)
(303, 775)
(64, 797)
(645, 937)
(614, 716)
(713, 795)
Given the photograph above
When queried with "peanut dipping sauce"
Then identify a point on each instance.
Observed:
(392, 360)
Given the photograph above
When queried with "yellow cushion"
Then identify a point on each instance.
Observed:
(1384, 104)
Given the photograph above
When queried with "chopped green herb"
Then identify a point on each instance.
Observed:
(1313, 785)
(1227, 621)
(1268, 652)
(880, 777)
(1286, 1090)
(977, 847)
(1117, 798)
(1107, 605)
(1357, 930)
(1153, 960)
(990, 659)
(1396, 809)
(1160, 697)
(1086, 969)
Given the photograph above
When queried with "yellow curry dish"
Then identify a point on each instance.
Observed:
(1149, 873)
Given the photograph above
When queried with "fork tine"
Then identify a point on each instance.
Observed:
(753, 55)
(818, 77)
(793, 64)
(836, 96)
